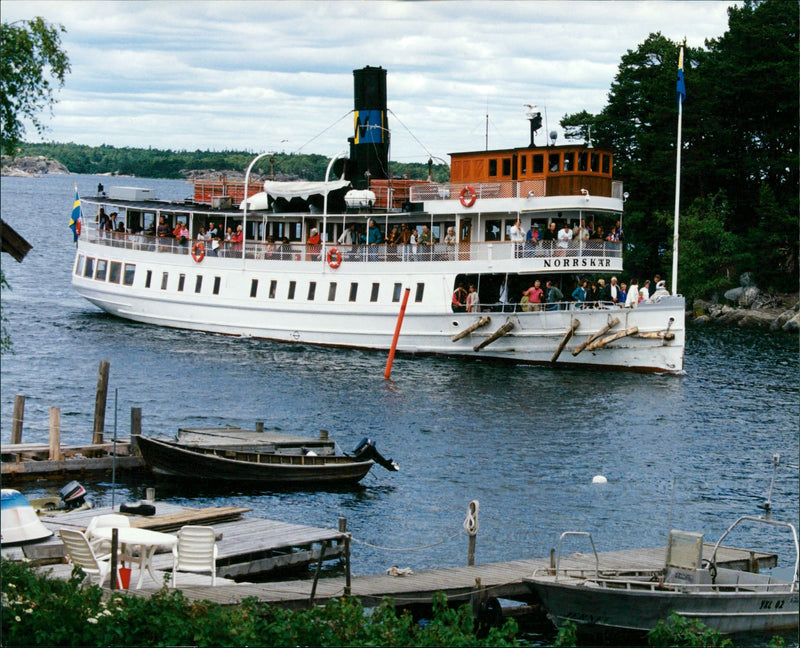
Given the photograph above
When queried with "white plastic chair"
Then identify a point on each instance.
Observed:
(196, 551)
(103, 547)
(80, 553)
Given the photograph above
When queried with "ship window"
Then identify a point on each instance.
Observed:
(606, 164)
(312, 290)
(398, 289)
(374, 296)
(595, 161)
(273, 287)
(538, 163)
(332, 291)
(78, 264)
(506, 166)
(492, 167)
(552, 162)
(164, 280)
(254, 287)
(217, 282)
(492, 230)
(353, 291)
(292, 286)
(148, 279)
(198, 284)
(102, 265)
(523, 164)
(583, 161)
(181, 282)
(114, 272)
(569, 161)
(130, 273)
(420, 291)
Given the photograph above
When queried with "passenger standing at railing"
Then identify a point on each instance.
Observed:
(450, 242)
(405, 237)
(314, 242)
(554, 296)
(472, 300)
(373, 240)
(237, 238)
(549, 237)
(426, 242)
(213, 237)
(413, 241)
(535, 295)
(517, 237)
(579, 294)
(632, 298)
(349, 238)
(531, 239)
(183, 235)
(564, 239)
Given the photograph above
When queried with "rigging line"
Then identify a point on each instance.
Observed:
(325, 130)
(425, 148)
(428, 546)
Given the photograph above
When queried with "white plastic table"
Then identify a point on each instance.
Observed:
(147, 541)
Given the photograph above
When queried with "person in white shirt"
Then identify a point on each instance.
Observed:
(564, 238)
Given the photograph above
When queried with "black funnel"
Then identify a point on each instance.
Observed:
(369, 146)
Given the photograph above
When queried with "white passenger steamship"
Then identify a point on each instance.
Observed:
(275, 285)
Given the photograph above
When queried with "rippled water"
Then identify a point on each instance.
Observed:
(691, 451)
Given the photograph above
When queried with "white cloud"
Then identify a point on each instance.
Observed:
(249, 75)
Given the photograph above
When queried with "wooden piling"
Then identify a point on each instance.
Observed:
(16, 425)
(100, 402)
(483, 321)
(572, 327)
(55, 434)
(602, 331)
(503, 330)
(136, 427)
(347, 578)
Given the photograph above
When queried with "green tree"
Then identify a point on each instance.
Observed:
(31, 60)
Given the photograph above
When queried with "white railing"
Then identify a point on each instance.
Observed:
(383, 253)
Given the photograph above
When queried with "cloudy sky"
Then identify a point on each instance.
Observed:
(277, 75)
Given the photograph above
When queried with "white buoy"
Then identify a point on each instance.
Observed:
(599, 479)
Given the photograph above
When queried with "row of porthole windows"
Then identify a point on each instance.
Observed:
(101, 270)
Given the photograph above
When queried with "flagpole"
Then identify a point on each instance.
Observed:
(681, 95)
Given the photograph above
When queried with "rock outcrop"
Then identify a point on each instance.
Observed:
(31, 167)
(748, 306)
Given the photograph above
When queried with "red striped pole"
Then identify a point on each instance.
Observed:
(388, 372)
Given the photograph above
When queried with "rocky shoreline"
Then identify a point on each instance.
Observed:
(31, 167)
(749, 307)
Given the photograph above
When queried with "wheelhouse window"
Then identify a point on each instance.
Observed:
(292, 287)
(198, 284)
(164, 280)
(583, 161)
(332, 291)
(254, 287)
(506, 166)
(538, 163)
(130, 273)
(420, 291)
(606, 164)
(374, 295)
(595, 162)
(273, 287)
(102, 266)
(492, 168)
(217, 283)
(312, 290)
(353, 291)
(569, 161)
(523, 165)
(552, 162)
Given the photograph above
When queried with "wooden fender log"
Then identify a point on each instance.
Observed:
(570, 332)
(483, 321)
(656, 335)
(591, 339)
(607, 340)
(503, 330)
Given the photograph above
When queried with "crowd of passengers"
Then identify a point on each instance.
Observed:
(587, 294)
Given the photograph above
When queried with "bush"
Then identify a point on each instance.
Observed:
(680, 631)
(40, 611)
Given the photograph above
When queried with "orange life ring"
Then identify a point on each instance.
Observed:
(468, 201)
(198, 252)
(334, 258)
(78, 227)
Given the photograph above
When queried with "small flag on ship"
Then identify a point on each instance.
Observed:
(75, 219)
(681, 85)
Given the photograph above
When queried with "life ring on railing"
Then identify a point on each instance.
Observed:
(467, 196)
(334, 258)
(78, 227)
(198, 252)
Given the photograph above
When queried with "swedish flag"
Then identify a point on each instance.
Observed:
(75, 219)
(681, 85)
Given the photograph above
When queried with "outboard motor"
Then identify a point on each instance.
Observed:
(73, 495)
(366, 450)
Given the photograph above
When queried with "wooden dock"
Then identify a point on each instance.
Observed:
(502, 580)
(247, 547)
(32, 460)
